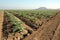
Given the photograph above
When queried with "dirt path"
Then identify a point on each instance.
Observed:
(1, 22)
(47, 31)
(57, 34)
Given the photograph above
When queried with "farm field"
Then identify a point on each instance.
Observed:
(29, 25)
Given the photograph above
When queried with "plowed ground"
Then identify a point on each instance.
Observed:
(48, 31)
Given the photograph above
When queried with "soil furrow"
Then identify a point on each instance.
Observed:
(47, 32)
(1, 23)
(57, 34)
(27, 22)
(29, 28)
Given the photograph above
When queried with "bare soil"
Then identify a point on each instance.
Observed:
(1, 22)
(49, 31)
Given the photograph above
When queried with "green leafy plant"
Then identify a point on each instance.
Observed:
(17, 24)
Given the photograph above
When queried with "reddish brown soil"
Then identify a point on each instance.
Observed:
(57, 34)
(1, 22)
(49, 31)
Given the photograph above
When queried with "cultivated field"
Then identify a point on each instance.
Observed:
(29, 25)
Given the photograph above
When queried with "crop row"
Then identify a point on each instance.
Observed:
(33, 17)
(16, 24)
(38, 13)
(35, 14)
